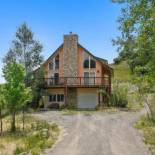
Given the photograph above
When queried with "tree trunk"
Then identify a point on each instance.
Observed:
(13, 123)
(1, 120)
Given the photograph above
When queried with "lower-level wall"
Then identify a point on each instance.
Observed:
(76, 97)
(50, 92)
(72, 96)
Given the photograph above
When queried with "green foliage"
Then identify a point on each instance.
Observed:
(137, 41)
(122, 72)
(152, 107)
(2, 97)
(25, 49)
(118, 98)
(37, 84)
(147, 125)
(16, 93)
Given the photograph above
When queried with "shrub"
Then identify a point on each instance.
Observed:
(18, 150)
(152, 107)
(119, 96)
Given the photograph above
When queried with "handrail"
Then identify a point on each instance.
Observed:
(79, 81)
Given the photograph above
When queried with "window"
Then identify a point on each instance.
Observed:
(88, 62)
(92, 63)
(60, 97)
(52, 98)
(57, 62)
(56, 98)
(51, 65)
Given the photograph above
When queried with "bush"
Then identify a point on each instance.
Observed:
(152, 107)
(18, 150)
(119, 96)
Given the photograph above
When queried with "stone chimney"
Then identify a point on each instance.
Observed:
(70, 48)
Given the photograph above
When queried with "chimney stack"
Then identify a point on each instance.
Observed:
(70, 49)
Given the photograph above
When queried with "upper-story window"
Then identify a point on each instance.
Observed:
(57, 62)
(51, 66)
(54, 64)
(89, 62)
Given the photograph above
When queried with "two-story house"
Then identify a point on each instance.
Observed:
(74, 75)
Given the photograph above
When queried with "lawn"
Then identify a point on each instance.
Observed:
(37, 136)
(122, 72)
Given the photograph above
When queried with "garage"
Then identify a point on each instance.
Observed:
(87, 100)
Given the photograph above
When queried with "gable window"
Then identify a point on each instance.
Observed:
(51, 66)
(92, 63)
(89, 62)
(57, 62)
(86, 63)
(54, 64)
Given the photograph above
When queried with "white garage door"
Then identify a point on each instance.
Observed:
(87, 100)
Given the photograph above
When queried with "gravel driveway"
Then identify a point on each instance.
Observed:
(96, 133)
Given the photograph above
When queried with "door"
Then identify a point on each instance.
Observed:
(87, 100)
(86, 78)
(92, 78)
(89, 78)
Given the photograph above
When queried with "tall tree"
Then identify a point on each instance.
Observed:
(25, 49)
(2, 104)
(137, 40)
(16, 93)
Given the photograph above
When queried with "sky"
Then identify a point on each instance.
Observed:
(95, 22)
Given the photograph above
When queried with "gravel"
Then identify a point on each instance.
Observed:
(97, 133)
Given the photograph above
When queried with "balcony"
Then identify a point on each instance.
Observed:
(77, 82)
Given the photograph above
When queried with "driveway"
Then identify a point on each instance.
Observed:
(96, 133)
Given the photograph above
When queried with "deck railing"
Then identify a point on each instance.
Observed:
(77, 81)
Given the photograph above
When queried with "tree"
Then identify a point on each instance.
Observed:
(26, 97)
(25, 49)
(2, 104)
(136, 43)
(16, 93)
(37, 86)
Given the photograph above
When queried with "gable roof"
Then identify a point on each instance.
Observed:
(104, 62)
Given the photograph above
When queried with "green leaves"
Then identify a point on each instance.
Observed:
(25, 49)
(137, 41)
(16, 93)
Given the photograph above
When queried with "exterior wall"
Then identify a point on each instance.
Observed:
(53, 91)
(71, 58)
(49, 73)
(70, 48)
(81, 70)
(72, 96)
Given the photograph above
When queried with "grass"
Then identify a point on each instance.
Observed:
(37, 136)
(122, 72)
(148, 127)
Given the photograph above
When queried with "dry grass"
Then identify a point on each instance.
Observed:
(32, 139)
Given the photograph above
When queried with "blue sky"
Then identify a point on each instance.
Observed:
(95, 21)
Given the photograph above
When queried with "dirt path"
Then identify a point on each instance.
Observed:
(97, 134)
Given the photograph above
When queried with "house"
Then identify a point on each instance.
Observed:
(74, 76)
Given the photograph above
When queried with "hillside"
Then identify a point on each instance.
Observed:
(121, 71)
